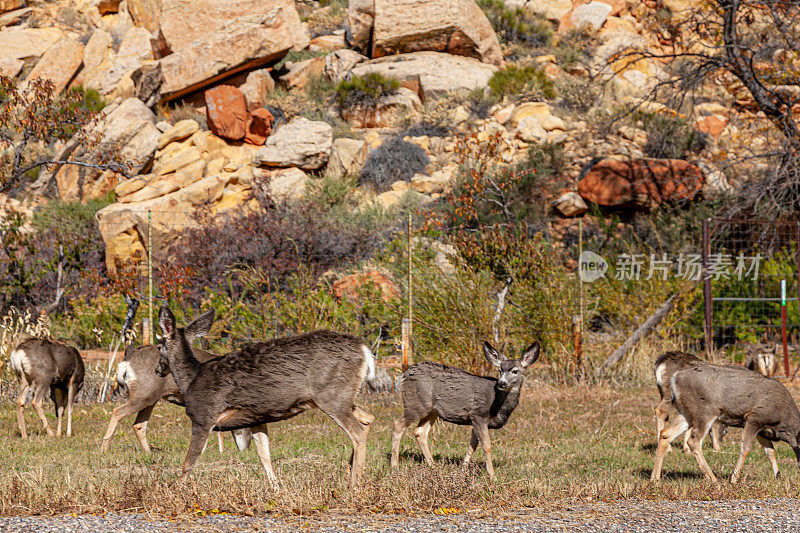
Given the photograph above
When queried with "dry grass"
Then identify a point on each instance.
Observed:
(563, 444)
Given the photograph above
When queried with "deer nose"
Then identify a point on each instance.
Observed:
(502, 384)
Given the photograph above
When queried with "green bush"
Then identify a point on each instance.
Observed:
(365, 90)
(670, 137)
(577, 94)
(394, 160)
(523, 82)
(515, 25)
(576, 46)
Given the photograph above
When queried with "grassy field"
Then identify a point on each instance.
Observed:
(562, 444)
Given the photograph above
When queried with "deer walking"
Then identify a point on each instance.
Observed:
(137, 373)
(704, 393)
(43, 365)
(266, 382)
(764, 360)
(433, 390)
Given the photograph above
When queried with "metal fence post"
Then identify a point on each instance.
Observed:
(783, 328)
(150, 275)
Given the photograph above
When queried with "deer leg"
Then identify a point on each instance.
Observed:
(400, 426)
(200, 435)
(117, 415)
(748, 436)
(22, 399)
(686, 449)
(717, 432)
(356, 424)
(473, 445)
(662, 412)
(482, 431)
(421, 433)
(70, 405)
(59, 400)
(696, 437)
(262, 448)
(140, 426)
(676, 426)
(769, 449)
(220, 442)
(38, 398)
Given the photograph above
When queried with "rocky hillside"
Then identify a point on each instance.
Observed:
(207, 101)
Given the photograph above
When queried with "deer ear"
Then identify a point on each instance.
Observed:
(201, 326)
(167, 322)
(530, 355)
(493, 356)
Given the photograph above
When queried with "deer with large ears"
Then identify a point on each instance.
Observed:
(266, 382)
(433, 390)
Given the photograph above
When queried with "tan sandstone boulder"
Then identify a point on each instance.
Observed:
(300, 143)
(24, 43)
(59, 63)
(98, 55)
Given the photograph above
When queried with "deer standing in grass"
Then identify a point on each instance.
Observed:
(764, 360)
(137, 373)
(43, 365)
(433, 390)
(266, 382)
(704, 393)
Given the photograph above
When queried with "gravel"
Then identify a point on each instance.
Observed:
(748, 516)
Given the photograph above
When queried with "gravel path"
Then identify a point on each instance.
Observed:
(640, 516)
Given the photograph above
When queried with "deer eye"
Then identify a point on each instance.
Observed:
(515, 371)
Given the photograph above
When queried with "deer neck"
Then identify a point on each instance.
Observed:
(503, 405)
(184, 366)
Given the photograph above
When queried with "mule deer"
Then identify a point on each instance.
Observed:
(45, 365)
(664, 368)
(433, 390)
(137, 373)
(704, 393)
(764, 360)
(266, 382)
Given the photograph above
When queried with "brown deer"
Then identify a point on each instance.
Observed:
(137, 374)
(433, 390)
(266, 382)
(43, 365)
(704, 394)
(764, 360)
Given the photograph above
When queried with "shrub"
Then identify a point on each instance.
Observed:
(515, 25)
(365, 90)
(671, 137)
(576, 46)
(577, 94)
(527, 82)
(394, 160)
(180, 112)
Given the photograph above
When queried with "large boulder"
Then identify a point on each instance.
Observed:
(134, 50)
(553, 10)
(641, 183)
(226, 111)
(59, 63)
(25, 43)
(11, 5)
(283, 183)
(360, 19)
(383, 112)
(11, 67)
(339, 64)
(181, 22)
(354, 286)
(240, 44)
(98, 55)
(456, 27)
(145, 13)
(301, 143)
(347, 157)
(437, 73)
(129, 129)
(256, 88)
(259, 126)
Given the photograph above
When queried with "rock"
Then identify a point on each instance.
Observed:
(339, 64)
(301, 143)
(182, 22)
(144, 13)
(437, 73)
(156, 186)
(444, 253)
(641, 183)
(183, 129)
(105, 7)
(529, 130)
(539, 111)
(133, 52)
(712, 124)
(347, 157)
(59, 63)
(123, 225)
(457, 27)
(633, 134)
(716, 181)
(356, 286)
(711, 108)
(256, 88)
(98, 55)
(15, 17)
(360, 19)
(11, 5)
(226, 111)
(163, 126)
(593, 14)
(240, 44)
(183, 157)
(24, 43)
(553, 10)
(633, 75)
(11, 67)
(130, 129)
(438, 182)
(327, 43)
(570, 204)
(285, 183)
(381, 114)
(259, 127)
(302, 71)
